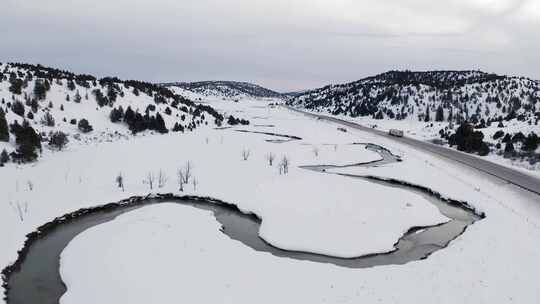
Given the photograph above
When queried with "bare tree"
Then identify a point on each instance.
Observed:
(149, 180)
(120, 181)
(188, 170)
(270, 157)
(245, 154)
(284, 165)
(181, 179)
(162, 179)
(184, 175)
(316, 151)
(195, 182)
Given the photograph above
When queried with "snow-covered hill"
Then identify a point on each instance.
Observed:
(430, 96)
(226, 89)
(53, 100)
(505, 111)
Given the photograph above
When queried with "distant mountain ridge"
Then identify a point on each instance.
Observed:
(227, 89)
(432, 95)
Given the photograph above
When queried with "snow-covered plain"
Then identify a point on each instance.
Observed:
(134, 260)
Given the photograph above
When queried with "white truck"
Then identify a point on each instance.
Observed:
(396, 132)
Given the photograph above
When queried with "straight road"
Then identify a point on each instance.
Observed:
(506, 174)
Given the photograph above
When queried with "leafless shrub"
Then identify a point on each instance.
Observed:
(120, 181)
(180, 179)
(184, 175)
(270, 157)
(149, 180)
(188, 171)
(284, 165)
(245, 154)
(162, 179)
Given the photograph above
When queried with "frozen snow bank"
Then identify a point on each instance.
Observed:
(171, 253)
(339, 212)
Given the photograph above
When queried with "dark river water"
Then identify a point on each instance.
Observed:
(37, 280)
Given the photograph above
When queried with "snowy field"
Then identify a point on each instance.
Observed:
(134, 260)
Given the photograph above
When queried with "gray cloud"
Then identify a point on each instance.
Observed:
(284, 45)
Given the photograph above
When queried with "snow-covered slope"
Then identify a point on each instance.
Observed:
(432, 105)
(461, 95)
(226, 89)
(31, 93)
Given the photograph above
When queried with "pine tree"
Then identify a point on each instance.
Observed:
(77, 98)
(48, 120)
(27, 140)
(58, 140)
(426, 117)
(129, 116)
(18, 108)
(16, 85)
(40, 91)
(509, 148)
(531, 142)
(4, 129)
(111, 94)
(439, 116)
(84, 126)
(178, 128)
(4, 157)
(71, 85)
(160, 124)
(116, 115)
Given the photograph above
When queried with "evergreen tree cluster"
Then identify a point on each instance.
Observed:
(17, 107)
(40, 89)
(58, 140)
(454, 96)
(469, 140)
(529, 143)
(233, 121)
(138, 122)
(27, 140)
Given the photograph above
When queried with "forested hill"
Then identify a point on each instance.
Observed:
(47, 107)
(427, 96)
(226, 89)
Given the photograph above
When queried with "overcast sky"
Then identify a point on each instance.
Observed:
(282, 44)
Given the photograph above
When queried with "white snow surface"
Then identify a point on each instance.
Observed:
(133, 259)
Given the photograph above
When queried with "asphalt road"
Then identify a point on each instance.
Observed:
(506, 174)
